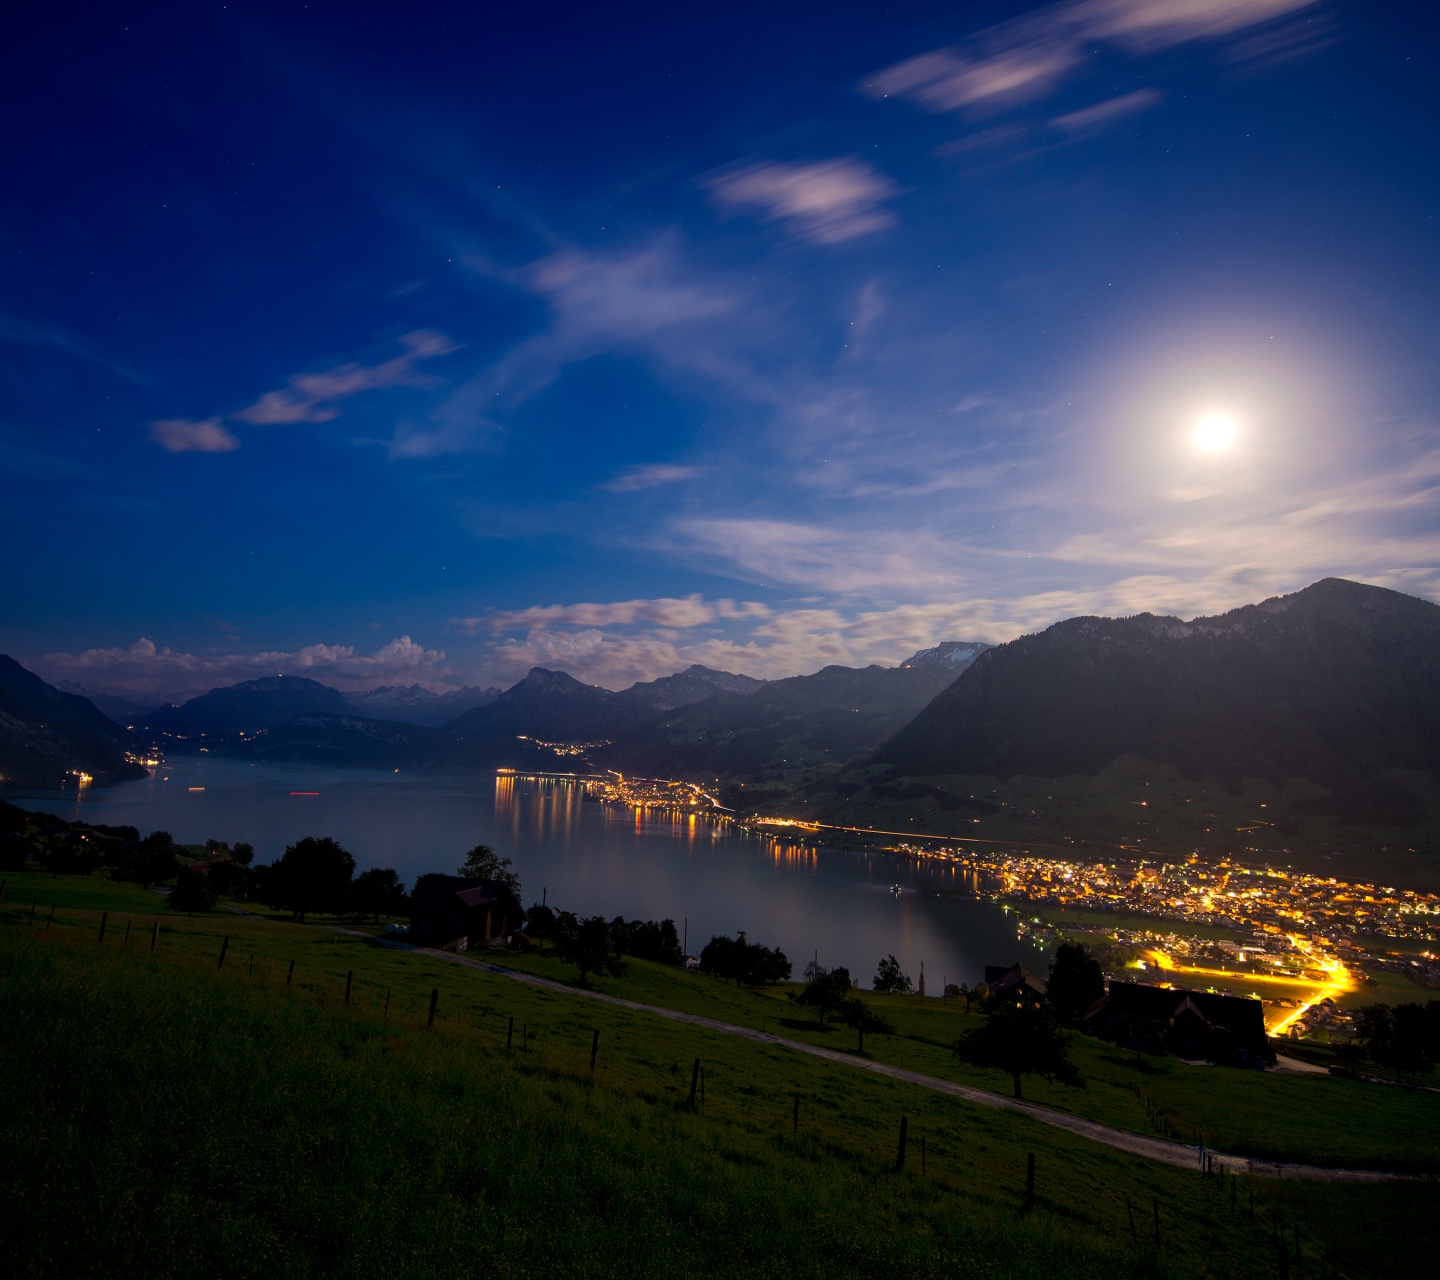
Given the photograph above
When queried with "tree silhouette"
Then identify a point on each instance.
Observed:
(891, 979)
(1020, 1040)
(859, 1016)
(825, 993)
(312, 875)
(378, 892)
(586, 943)
(1076, 981)
(483, 863)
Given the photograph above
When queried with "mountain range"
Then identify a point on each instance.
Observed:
(48, 736)
(1338, 684)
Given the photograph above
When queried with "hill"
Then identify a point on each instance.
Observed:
(552, 706)
(47, 736)
(804, 722)
(694, 684)
(418, 705)
(248, 706)
(1335, 684)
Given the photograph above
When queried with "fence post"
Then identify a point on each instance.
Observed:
(289, 973)
(50, 919)
(3, 883)
(155, 935)
(594, 1049)
(922, 1153)
(434, 1000)
(1130, 1213)
(104, 920)
(509, 1032)
(127, 933)
(1284, 1259)
(1029, 1179)
(250, 969)
(387, 1004)
(702, 1088)
(795, 1122)
(33, 905)
(224, 947)
(1157, 1225)
(694, 1082)
(900, 1150)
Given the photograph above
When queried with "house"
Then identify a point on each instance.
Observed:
(1016, 983)
(1193, 1024)
(459, 914)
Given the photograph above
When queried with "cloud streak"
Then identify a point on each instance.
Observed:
(1029, 57)
(315, 397)
(181, 435)
(828, 202)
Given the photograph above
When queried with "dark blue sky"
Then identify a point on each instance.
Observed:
(430, 341)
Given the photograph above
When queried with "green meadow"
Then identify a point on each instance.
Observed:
(163, 1114)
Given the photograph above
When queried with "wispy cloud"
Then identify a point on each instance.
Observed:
(640, 302)
(1028, 58)
(314, 397)
(1107, 112)
(652, 476)
(30, 333)
(680, 613)
(147, 669)
(181, 435)
(829, 202)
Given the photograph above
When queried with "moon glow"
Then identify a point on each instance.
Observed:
(1215, 432)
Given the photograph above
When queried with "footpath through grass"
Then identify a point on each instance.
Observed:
(1320, 1120)
(162, 1114)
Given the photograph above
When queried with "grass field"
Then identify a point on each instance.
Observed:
(164, 1108)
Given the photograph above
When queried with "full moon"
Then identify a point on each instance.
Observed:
(1215, 432)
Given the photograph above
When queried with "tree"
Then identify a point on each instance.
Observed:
(540, 923)
(746, 963)
(379, 892)
(1404, 1037)
(1076, 981)
(586, 943)
(483, 863)
(859, 1016)
(243, 853)
(1020, 1040)
(312, 875)
(192, 892)
(826, 993)
(647, 939)
(890, 979)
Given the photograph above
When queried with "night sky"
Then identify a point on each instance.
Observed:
(429, 342)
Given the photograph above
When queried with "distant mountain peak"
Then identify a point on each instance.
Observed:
(954, 654)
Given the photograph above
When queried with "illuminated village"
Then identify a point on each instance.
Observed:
(1299, 943)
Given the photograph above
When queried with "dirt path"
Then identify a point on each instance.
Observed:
(1171, 1153)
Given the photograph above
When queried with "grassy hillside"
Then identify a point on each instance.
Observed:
(163, 1115)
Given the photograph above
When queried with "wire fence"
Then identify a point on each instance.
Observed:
(1301, 1251)
(1296, 1251)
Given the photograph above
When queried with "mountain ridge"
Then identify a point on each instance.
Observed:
(1334, 683)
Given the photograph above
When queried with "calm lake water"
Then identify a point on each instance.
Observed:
(589, 858)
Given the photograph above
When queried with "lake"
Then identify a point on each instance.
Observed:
(584, 857)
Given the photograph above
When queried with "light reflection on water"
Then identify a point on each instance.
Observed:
(587, 857)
